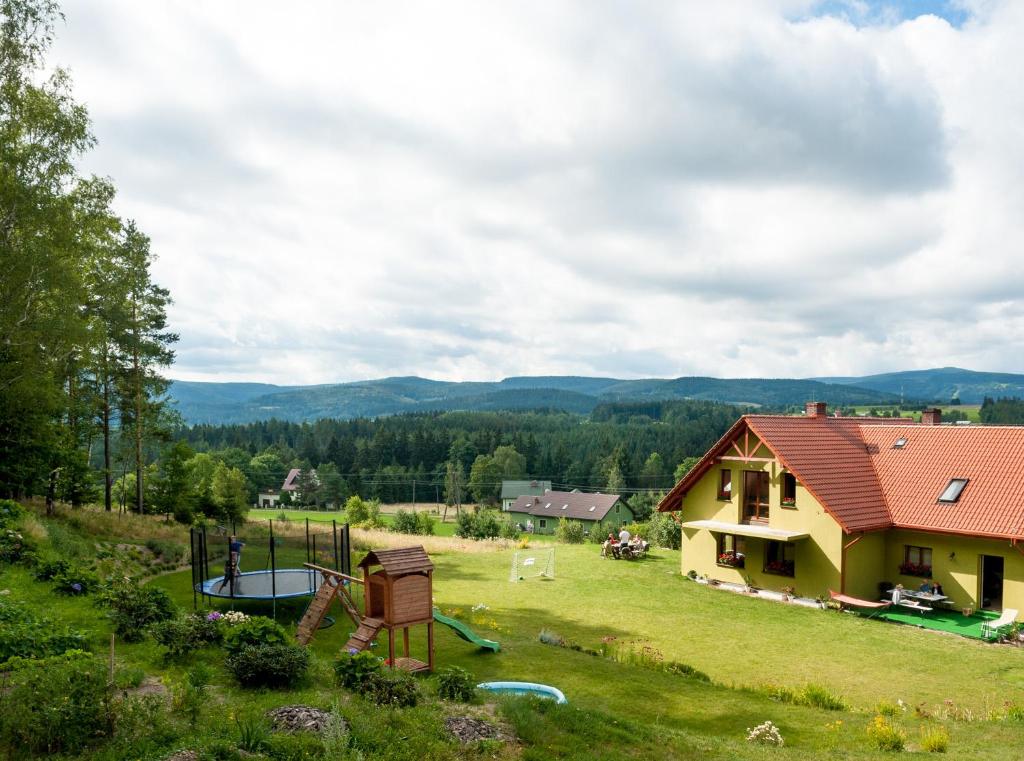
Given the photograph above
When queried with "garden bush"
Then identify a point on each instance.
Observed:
(185, 634)
(663, 531)
(75, 580)
(268, 665)
(191, 695)
(425, 524)
(15, 547)
(484, 525)
(49, 569)
(598, 533)
(510, 529)
(11, 513)
(405, 522)
(353, 669)
(134, 608)
(59, 704)
(570, 532)
(392, 688)
(934, 739)
(255, 630)
(456, 684)
(23, 634)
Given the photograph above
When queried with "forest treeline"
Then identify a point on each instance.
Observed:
(83, 335)
(1005, 411)
(620, 446)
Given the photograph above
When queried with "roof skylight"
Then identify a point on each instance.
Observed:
(953, 490)
(565, 507)
(592, 508)
(900, 443)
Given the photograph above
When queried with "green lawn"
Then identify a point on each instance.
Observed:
(741, 642)
(970, 410)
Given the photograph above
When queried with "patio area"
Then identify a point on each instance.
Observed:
(951, 621)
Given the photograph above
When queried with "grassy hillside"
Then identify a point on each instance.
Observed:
(758, 656)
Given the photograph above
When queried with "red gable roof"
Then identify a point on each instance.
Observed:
(850, 465)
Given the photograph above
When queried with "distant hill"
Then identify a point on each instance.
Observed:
(941, 384)
(248, 402)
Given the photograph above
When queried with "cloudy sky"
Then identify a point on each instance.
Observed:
(349, 190)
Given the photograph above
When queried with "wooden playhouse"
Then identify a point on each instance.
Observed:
(399, 594)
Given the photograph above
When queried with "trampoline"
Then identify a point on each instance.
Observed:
(276, 558)
(280, 584)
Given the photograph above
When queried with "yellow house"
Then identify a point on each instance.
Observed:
(815, 503)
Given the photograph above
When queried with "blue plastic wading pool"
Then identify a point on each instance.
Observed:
(525, 688)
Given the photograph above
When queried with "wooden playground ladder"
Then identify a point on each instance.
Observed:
(333, 586)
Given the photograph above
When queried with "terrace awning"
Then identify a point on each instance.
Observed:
(748, 529)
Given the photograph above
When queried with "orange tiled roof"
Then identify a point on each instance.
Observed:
(913, 477)
(853, 470)
(828, 457)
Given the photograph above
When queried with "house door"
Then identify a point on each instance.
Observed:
(755, 496)
(991, 582)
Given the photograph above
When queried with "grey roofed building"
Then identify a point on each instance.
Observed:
(512, 490)
(548, 508)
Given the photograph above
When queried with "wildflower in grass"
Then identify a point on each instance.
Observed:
(479, 607)
(765, 734)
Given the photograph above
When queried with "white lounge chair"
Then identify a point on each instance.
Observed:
(993, 628)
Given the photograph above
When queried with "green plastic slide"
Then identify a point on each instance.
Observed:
(466, 633)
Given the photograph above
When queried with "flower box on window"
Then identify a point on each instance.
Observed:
(780, 567)
(791, 502)
(916, 569)
(724, 495)
(731, 560)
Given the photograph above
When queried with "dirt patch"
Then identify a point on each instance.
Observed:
(183, 755)
(151, 685)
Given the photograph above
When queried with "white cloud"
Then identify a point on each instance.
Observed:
(474, 190)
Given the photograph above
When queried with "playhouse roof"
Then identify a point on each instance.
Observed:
(399, 562)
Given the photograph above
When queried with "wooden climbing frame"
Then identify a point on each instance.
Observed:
(333, 586)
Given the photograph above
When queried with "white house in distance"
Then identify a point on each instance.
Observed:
(272, 497)
(513, 490)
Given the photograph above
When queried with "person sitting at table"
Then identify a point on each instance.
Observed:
(937, 589)
(897, 594)
(926, 586)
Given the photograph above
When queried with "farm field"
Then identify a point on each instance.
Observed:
(616, 710)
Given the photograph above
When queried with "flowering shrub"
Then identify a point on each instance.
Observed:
(392, 688)
(233, 618)
(885, 735)
(731, 559)
(765, 734)
(915, 569)
(75, 581)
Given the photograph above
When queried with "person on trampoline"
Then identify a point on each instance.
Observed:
(231, 565)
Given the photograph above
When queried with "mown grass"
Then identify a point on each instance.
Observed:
(617, 710)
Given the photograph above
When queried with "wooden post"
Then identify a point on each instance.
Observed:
(391, 646)
(430, 645)
(111, 658)
(405, 637)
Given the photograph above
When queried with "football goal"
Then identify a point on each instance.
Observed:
(529, 564)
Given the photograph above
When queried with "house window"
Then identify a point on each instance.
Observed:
(543, 523)
(725, 484)
(755, 496)
(732, 551)
(788, 490)
(917, 561)
(953, 490)
(780, 558)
